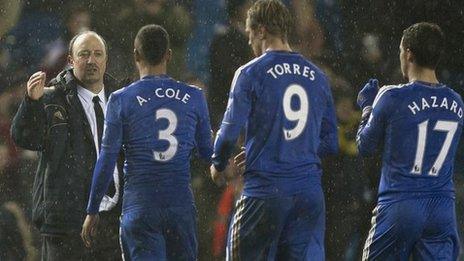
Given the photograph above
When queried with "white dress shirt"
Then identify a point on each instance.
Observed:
(86, 96)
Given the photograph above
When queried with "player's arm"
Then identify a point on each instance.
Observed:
(236, 115)
(329, 131)
(103, 173)
(29, 124)
(203, 131)
(374, 117)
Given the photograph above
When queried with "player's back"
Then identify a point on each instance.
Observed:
(290, 99)
(163, 121)
(422, 131)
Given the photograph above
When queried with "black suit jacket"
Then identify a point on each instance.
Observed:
(56, 126)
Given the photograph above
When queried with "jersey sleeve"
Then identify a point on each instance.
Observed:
(111, 145)
(373, 123)
(238, 109)
(329, 132)
(203, 131)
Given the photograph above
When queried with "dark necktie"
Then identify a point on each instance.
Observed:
(100, 121)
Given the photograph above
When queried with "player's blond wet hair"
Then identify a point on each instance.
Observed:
(273, 15)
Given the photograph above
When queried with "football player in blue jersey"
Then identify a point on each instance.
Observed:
(285, 102)
(159, 122)
(418, 126)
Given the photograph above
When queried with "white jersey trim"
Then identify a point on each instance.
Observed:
(370, 237)
(383, 90)
(239, 70)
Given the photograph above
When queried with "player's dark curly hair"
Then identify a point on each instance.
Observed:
(426, 42)
(153, 43)
(273, 15)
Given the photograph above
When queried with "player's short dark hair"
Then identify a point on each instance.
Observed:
(426, 42)
(153, 43)
(273, 15)
(71, 43)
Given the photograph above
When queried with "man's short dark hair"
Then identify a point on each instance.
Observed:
(426, 42)
(71, 43)
(273, 15)
(153, 43)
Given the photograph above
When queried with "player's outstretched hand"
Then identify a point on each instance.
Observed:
(89, 229)
(367, 95)
(35, 85)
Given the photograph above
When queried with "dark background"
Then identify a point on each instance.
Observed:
(351, 41)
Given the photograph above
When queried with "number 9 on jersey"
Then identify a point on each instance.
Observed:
(300, 115)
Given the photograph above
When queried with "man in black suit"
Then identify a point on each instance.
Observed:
(228, 51)
(64, 123)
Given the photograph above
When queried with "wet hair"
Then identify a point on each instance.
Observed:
(426, 42)
(73, 40)
(153, 43)
(273, 15)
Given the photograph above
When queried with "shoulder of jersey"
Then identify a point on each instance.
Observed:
(131, 84)
(188, 87)
(455, 93)
(251, 64)
(388, 89)
(118, 92)
(193, 86)
(127, 88)
(315, 67)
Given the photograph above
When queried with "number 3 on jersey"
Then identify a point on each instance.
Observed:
(166, 134)
(300, 115)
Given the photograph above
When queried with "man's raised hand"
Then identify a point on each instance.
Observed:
(35, 85)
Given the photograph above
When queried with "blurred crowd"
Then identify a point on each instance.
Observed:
(351, 41)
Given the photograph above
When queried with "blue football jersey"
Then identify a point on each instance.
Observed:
(419, 125)
(159, 122)
(286, 104)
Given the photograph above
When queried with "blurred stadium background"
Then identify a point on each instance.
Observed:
(351, 40)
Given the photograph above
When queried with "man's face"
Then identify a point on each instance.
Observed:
(253, 39)
(89, 59)
(403, 61)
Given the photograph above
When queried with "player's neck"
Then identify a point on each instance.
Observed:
(275, 44)
(423, 75)
(152, 70)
